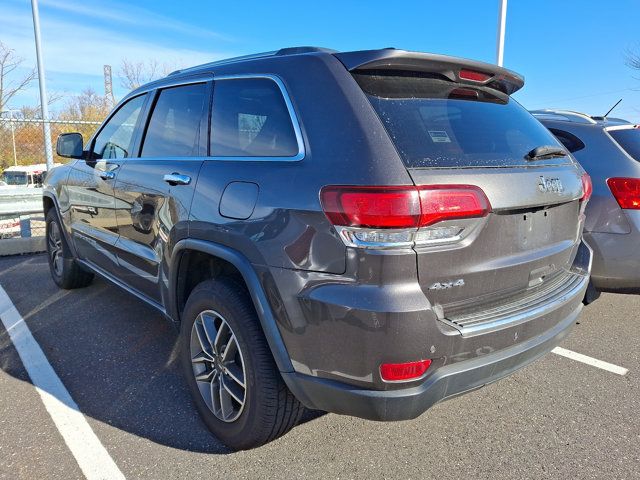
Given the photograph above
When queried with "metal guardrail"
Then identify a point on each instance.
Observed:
(21, 212)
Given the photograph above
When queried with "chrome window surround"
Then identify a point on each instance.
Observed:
(292, 115)
(209, 77)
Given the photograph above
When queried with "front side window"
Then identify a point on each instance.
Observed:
(174, 128)
(115, 140)
(250, 119)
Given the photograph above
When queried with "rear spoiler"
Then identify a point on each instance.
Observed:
(455, 69)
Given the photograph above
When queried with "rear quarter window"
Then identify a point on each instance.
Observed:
(628, 139)
(435, 122)
(569, 140)
(250, 118)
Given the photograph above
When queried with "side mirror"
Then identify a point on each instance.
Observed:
(69, 145)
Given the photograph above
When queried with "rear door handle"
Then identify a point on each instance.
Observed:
(108, 175)
(177, 179)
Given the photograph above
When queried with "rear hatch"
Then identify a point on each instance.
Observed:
(453, 122)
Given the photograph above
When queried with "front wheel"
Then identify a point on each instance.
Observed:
(65, 271)
(230, 371)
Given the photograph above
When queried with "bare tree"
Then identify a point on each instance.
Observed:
(88, 105)
(133, 74)
(9, 62)
(632, 58)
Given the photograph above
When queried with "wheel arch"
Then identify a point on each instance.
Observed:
(246, 274)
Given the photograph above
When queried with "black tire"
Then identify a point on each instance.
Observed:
(65, 271)
(591, 295)
(269, 409)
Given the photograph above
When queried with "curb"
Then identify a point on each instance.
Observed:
(19, 246)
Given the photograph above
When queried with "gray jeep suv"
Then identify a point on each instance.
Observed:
(365, 233)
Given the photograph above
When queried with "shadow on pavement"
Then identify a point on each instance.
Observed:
(113, 353)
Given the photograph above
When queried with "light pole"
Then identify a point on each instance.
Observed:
(44, 106)
(502, 20)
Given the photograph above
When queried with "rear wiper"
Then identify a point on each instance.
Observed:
(545, 151)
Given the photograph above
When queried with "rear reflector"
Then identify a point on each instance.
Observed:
(587, 187)
(626, 191)
(474, 76)
(402, 207)
(394, 372)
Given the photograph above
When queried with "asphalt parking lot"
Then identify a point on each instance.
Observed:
(558, 418)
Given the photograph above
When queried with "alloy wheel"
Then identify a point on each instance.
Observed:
(54, 241)
(218, 365)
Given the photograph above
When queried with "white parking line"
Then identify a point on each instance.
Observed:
(92, 457)
(610, 367)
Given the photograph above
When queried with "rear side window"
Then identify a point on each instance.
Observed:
(250, 119)
(435, 122)
(629, 140)
(174, 127)
(570, 141)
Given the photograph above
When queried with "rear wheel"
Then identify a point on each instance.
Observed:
(65, 271)
(232, 376)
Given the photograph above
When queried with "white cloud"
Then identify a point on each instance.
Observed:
(73, 45)
(133, 16)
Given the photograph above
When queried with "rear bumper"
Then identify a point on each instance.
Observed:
(446, 382)
(616, 261)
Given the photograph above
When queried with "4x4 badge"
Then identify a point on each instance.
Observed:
(445, 285)
(550, 185)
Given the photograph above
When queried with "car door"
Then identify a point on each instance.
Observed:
(154, 190)
(92, 205)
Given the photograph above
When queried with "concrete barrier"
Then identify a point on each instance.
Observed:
(20, 246)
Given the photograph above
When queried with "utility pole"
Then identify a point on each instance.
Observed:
(44, 103)
(13, 138)
(108, 85)
(502, 20)
(13, 132)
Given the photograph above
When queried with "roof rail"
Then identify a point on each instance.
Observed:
(226, 61)
(298, 50)
(566, 115)
(281, 52)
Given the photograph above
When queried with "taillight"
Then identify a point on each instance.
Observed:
(444, 202)
(587, 187)
(626, 191)
(464, 93)
(397, 372)
(473, 75)
(372, 207)
(385, 217)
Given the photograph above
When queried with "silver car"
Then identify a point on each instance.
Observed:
(609, 150)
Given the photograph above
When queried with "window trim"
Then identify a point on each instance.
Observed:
(292, 115)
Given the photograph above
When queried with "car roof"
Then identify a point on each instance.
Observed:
(381, 59)
(578, 117)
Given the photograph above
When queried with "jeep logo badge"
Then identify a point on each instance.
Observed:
(550, 185)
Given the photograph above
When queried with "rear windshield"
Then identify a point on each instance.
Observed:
(435, 122)
(629, 140)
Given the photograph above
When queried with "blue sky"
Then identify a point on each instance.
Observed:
(571, 52)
